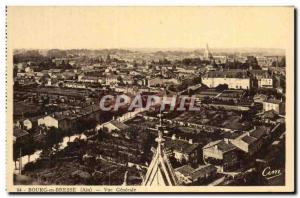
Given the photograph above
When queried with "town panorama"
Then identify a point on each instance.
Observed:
(235, 136)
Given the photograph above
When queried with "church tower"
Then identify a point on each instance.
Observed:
(207, 54)
(160, 172)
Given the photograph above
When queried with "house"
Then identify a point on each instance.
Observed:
(48, 121)
(54, 72)
(111, 80)
(252, 141)
(187, 175)
(228, 95)
(112, 126)
(127, 80)
(57, 120)
(266, 82)
(182, 150)
(271, 117)
(29, 70)
(68, 75)
(273, 104)
(264, 61)
(222, 154)
(235, 79)
(261, 78)
(162, 81)
(28, 123)
(260, 98)
(75, 85)
(90, 79)
(20, 135)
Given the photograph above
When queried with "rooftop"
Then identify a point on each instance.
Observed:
(248, 139)
(119, 125)
(220, 145)
(180, 145)
(274, 101)
(234, 73)
(192, 173)
(20, 132)
(258, 132)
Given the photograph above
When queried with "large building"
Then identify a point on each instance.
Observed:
(273, 104)
(261, 78)
(235, 79)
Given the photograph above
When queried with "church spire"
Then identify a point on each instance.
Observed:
(160, 172)
(207, 53)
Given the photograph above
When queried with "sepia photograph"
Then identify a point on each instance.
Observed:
(150, 99)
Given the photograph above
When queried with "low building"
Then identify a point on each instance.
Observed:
(112, 126)
(111, 80)
(127, 80)
(20, 135)
(261, 78)
(90, 79)
(252, 141)
(75, 85)
(57, 120)
(183, 151)
(162, 81)
(273, 104)
(187, 175)
(266, 82)
(260, 98)
(222, 154)
(28, 123)
(234, 95)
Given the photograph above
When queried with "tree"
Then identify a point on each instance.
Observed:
(282, 62)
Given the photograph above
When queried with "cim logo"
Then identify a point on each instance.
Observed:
(269, 173)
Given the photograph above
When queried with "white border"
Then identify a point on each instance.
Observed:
(106, 2)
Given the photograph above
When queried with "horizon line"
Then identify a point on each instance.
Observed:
(153, 48)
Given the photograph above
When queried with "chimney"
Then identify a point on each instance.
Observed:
(226, 140)
(190, 141)
(174, 137)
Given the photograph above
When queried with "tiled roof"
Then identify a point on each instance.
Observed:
(274, 101)
(220, 145)
(249, 139)
(227, 74)
(180, 145)
(258, 132)
(194, 174)
(20, 132)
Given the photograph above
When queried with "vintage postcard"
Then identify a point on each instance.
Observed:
(150, 99)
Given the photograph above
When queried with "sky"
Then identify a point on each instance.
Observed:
(149, 27)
